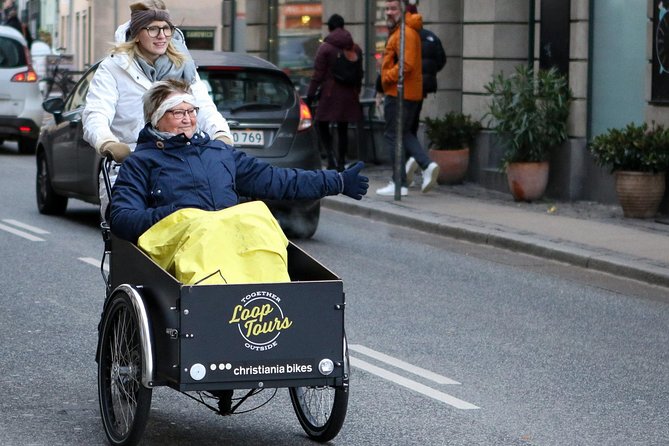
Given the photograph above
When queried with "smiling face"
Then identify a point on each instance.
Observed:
(153, 47)
(186, 124)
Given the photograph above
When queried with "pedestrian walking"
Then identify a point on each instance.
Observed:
(433, 58)
(336, 84)
(113, 115)
(413, 94)
(11, 18)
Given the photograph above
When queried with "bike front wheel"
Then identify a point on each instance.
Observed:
(124, 401)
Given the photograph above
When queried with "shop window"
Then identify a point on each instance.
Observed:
(199, 39)
(299, 26)
(380, 33)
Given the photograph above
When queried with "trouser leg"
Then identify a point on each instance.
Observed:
(342, 146)
(390, 136)
(326, 140)
(412, 145)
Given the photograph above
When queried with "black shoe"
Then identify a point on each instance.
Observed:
(224, 400)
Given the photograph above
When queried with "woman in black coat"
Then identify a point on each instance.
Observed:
(338, 102)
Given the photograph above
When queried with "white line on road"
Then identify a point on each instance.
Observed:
(401, 364)
(413, 385)
(94, 262)
(25, 226)
(23, 234)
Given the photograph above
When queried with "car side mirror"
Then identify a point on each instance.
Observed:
(54, 105)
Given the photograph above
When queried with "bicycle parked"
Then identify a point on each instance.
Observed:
(59, 79)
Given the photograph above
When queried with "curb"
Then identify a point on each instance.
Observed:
(604, 261)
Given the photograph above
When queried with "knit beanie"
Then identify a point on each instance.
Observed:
(141, 16)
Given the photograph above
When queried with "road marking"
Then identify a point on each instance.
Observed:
(23, 234)
(412, 385)
(94, 262)
(439, 379)
(25, 226)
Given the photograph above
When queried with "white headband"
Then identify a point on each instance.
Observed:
(170, 102)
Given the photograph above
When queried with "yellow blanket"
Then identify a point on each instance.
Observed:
(240, 244)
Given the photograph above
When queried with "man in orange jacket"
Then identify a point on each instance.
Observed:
(413, 94)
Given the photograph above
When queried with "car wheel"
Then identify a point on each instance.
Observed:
(300, 224)
(48, 201)
(27, 145)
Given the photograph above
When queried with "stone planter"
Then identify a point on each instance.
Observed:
(639, 193)
(453, 164)
(527, 181)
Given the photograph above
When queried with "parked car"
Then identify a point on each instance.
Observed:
(265, 113)
(20, 99)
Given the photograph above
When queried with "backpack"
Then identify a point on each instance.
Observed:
(347, 69)
(433, 58)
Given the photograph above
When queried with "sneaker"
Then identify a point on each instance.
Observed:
(430, 175)
(389, 190)
(411, 167)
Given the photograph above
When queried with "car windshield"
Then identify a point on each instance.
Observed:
(235, 90)
(11, 53)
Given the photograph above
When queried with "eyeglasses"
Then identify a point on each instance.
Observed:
(179, 113)
(154, 31)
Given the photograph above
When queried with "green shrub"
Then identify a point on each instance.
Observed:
(453, 131)
(634, 147)
(529, 112)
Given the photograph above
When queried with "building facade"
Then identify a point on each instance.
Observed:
(607, 48)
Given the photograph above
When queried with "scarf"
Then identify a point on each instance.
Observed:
(164, 68)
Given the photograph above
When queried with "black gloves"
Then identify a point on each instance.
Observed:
(354, 185)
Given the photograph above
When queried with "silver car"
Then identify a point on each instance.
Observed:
(20, 99)
(265, 113)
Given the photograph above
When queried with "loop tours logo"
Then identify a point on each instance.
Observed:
(260, 320)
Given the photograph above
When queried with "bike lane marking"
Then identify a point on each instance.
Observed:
(25, 226)
(20, 233)
(398, 363)
(413, 385)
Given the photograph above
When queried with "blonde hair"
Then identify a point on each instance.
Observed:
(131, 48)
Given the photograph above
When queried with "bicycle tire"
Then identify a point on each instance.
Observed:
(124, 401)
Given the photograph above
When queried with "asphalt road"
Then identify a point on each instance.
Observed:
(452, 343)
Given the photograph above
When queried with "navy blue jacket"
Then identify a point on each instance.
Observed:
(201, 173)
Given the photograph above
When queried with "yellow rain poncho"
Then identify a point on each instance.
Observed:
(240, 244)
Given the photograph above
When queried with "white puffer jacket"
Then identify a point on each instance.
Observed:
(114, 110)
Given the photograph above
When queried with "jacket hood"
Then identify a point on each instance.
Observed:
(414, 21)
(340, 38)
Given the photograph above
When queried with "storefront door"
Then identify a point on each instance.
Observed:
(619, 63)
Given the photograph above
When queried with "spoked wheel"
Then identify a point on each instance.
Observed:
(321, 410)
(124, 401)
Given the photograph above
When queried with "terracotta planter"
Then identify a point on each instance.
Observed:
(527, 181)
(640, 193)
(453, 164)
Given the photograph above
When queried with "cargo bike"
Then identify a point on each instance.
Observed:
(201, 340)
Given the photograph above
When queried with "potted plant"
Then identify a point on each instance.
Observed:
(450, 139)
(638, 156)
(529, 112)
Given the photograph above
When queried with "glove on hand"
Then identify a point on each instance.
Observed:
(118, 150)
(354, 184)
(223, 137)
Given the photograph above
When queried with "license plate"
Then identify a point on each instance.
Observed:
(248, 137)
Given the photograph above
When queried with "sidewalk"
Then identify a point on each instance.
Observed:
(585, 234)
